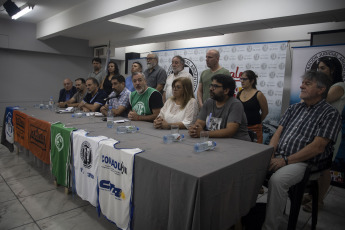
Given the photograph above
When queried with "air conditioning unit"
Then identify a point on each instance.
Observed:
(100, 51)
(115, 53)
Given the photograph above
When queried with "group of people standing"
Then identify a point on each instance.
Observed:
(305, 135)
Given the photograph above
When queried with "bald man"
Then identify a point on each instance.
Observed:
(67, 92)
(212, 62)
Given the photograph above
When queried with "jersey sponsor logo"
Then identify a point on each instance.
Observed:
(139, 108)
(114, 164)
(86, 154)
(38, 136)
(108, 186)
(59, 142)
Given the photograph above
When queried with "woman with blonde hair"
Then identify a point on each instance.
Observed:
(181, 109)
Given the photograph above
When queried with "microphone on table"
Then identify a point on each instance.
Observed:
(108, 98)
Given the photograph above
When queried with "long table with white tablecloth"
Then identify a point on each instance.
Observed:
(177, 188)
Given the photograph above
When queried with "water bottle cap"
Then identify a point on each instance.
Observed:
(137, 128)
(196, 147)
(110, 107)
(215, 144)
(182, 135)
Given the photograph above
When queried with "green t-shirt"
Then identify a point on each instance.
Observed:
(140, 102)
(205, 79)
(60, 153)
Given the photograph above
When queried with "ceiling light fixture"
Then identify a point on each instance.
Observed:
(24, 10)
(11, 8)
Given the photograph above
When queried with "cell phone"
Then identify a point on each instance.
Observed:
(104, 119)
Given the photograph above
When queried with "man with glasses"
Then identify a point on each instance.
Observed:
(155, 75)
(177, 64)
(212, 62)
(222, 115)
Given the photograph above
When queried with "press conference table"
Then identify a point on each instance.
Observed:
(177, 188)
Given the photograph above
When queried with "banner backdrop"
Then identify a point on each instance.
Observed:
(267, 60)
(304, 59)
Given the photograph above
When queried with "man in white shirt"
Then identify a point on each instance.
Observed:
(177, 64)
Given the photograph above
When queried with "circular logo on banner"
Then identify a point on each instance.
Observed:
(86, 154)
(59, 142)
(339, 61)
(262, 83)
(263, 66)
(226, 57)
(270, 92)
(256, 57)
(248, 66)
(240, 57)
(265, 47)
(233, 49)
(190, 67)
(273, 56)
(272, 74)
(249, 48)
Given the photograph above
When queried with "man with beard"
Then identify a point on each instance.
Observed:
(177, 64)
(212, 62)
(97, 73)
(146, 102)
(119, 98)
(222, 115)
(67, 92)
(78, 96)
(136, 67)
(94, 98)
(155, 75)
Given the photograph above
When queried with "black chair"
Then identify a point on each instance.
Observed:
(296, 193)
(253, 136)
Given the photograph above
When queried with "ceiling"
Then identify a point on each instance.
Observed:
(132, 22)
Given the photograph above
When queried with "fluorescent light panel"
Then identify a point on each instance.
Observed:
(24, 11)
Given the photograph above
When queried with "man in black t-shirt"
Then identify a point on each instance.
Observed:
(94, 98)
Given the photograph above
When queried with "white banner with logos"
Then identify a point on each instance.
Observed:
(267, 60)
(304, 59)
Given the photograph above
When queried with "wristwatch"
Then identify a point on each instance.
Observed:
(286, 160)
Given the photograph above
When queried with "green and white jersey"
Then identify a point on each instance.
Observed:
(60, 153)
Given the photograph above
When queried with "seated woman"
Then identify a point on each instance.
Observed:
(253, 102)
(181, 109)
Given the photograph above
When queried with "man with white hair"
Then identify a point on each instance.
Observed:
(146, 102)
(177, 64)
(67, 92)
(155, 75)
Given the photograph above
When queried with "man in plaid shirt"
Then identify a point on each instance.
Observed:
(118, 99)
(305, 135)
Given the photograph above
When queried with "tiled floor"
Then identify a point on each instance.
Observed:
(29, 200)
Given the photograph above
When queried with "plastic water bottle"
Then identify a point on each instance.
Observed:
(126, 129)
(167, 139)
(204, 146)
(51, 103)
(110, 118)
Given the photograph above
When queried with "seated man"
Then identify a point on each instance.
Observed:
(67, 92)
(119, 98)
(94, 98)
(305, 135)
(146, 102)
(223, 114)
(78, 96)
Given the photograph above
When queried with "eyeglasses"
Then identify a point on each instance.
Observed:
(150, 59)
(214, 86)
(243, 79)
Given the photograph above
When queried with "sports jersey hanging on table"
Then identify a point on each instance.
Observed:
(39, 139)
(7, 133)
(85, 164)
(20, 124)
(115, 187)
(60, 153)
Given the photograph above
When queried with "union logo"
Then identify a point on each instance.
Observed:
(59, 142)
(139, 108)
(86, 154)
